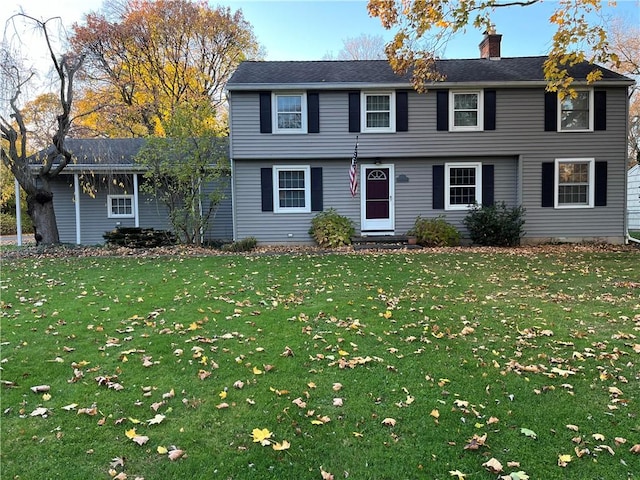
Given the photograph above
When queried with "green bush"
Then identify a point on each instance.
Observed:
(496, 225)
(244, 245)
(8, 224)
(434, 232)
(330, 229)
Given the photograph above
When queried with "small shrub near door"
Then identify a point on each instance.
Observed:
(330, 229)
(434, 232)
(495, 225)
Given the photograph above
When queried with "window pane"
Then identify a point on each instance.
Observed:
(291, 179)
(292, 198)
(465, 101)
(378, 103)
(289, 111)
(462, 195)
(466, 119)
(573, 183)
(462, 176)
(575, 112)
(289, 120)
(377, 120)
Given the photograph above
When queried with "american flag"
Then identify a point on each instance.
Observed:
(353, 171)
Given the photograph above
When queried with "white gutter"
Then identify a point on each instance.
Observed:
(18, 213)
(76, 193)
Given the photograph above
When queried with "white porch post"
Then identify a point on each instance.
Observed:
(18, 213)
(76, 194)
(136, 213)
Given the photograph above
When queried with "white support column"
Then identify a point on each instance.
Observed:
(136, 213)
(76, 194)
(18, 213)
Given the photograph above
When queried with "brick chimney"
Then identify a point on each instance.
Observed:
(490, 44)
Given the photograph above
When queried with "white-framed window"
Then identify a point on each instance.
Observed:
(120, 206)
(462, 185)
(290, 112)
(466, 111)
(576, 114)
(292, 189)
(378, 110)
(574, 182)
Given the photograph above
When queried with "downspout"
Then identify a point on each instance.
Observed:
(76, 193)
(135, 201)
(18, 213)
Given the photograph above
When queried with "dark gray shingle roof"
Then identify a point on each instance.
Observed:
(504, 70)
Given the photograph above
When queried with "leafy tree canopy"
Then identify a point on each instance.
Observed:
(424, 26)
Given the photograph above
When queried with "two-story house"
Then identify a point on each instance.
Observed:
(490, 132)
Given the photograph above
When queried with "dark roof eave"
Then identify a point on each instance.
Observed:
(249, 87)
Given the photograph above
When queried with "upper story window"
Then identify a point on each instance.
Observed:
(466, 111)
(574, 183)
(290, 113)
(378, 112)
(120, 206)
(292, 189)
(463, 185)
(576, 113)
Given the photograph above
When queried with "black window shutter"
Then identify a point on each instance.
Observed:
(354, 111)
(313, 112)
(438, 187)
(548, 195)
(550, 112)
(489, 109)
(316, 189)
(487, 185)
(442, 109)
(600, 192)
(265, 112)
(402, 111)
(266, 187)
(600, 110)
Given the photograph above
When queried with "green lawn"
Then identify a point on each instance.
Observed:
(366, 366)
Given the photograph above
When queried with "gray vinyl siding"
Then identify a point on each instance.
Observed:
(412, 198)
(95, 221)
(519, 141)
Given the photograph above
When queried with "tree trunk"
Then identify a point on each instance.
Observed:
(40, 209)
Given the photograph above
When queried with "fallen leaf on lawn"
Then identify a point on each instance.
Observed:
(162, 450)
(156, 420)
(476, 442)
(281, 446)
(130, 433)
(619, 440)
(70, 407)
(140, 439)
(598, 437)
(175, 454)
(326, 475)
(635, 448)
(156, 405)
(287, 352)
(435, 413)
(563, 460)
(607, 448)
(337, 402)
(389, 422)
(222, 406)
(575, 428)
(492, 420)
(117, 462)
(357, 434)
(520, 475)
(529, 433)
(40, 412)
(493, 465)
(261, 436)
(203, 374)
(169, 394)
(336, 387)
(120, 476)
(458, 474)
(299, 402)
(239, 384)
(40, 388)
